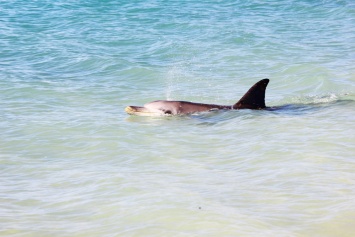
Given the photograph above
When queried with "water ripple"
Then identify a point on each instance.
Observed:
(73, 163)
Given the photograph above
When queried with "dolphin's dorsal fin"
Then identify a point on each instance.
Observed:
(254, 98)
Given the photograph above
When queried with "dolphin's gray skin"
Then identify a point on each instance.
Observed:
(253, 99)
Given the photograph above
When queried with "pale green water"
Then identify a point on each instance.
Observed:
(72, 163)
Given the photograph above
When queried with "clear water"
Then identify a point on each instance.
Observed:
(72, 163)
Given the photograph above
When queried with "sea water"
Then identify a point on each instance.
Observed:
(72, 163)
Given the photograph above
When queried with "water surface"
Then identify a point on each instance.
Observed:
(74, 164)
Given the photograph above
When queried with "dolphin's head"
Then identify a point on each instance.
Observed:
(155, 108)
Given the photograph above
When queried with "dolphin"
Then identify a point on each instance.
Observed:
(254, 98)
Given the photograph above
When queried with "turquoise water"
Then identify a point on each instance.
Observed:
(72, 163)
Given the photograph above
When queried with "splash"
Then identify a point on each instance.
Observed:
(172, 81)
(321, 99)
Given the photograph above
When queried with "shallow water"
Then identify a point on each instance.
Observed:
(74, 164)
